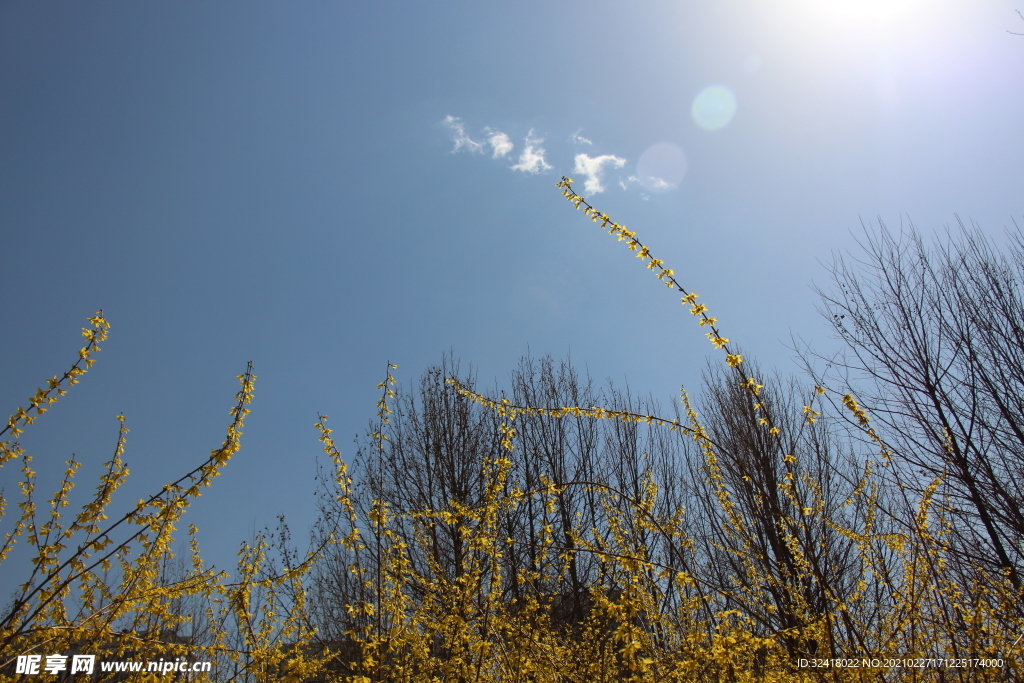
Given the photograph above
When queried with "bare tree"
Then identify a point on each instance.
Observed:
(935, 351)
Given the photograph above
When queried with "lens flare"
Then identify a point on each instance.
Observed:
(662, 167)
(714, 107)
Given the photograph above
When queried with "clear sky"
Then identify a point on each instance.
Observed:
(323, 187)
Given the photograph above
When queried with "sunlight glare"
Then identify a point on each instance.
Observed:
(860, 13)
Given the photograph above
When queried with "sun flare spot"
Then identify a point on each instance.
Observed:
(714, 107)
(662, 167)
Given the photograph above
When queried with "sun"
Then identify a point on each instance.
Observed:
(865, 12)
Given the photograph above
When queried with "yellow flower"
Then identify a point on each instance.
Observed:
(733, 359)
(719, 342)
(754, 388)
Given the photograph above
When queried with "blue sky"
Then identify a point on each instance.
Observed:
(325, 187)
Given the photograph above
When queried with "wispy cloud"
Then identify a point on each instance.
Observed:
(462, 141)
(500, 143)
(578, 139)
(592, 168)
(531, 159)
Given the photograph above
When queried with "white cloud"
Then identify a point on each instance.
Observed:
(500, 143)
(531, 160)
(578, 139)
(459, 135)
(593, 167)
